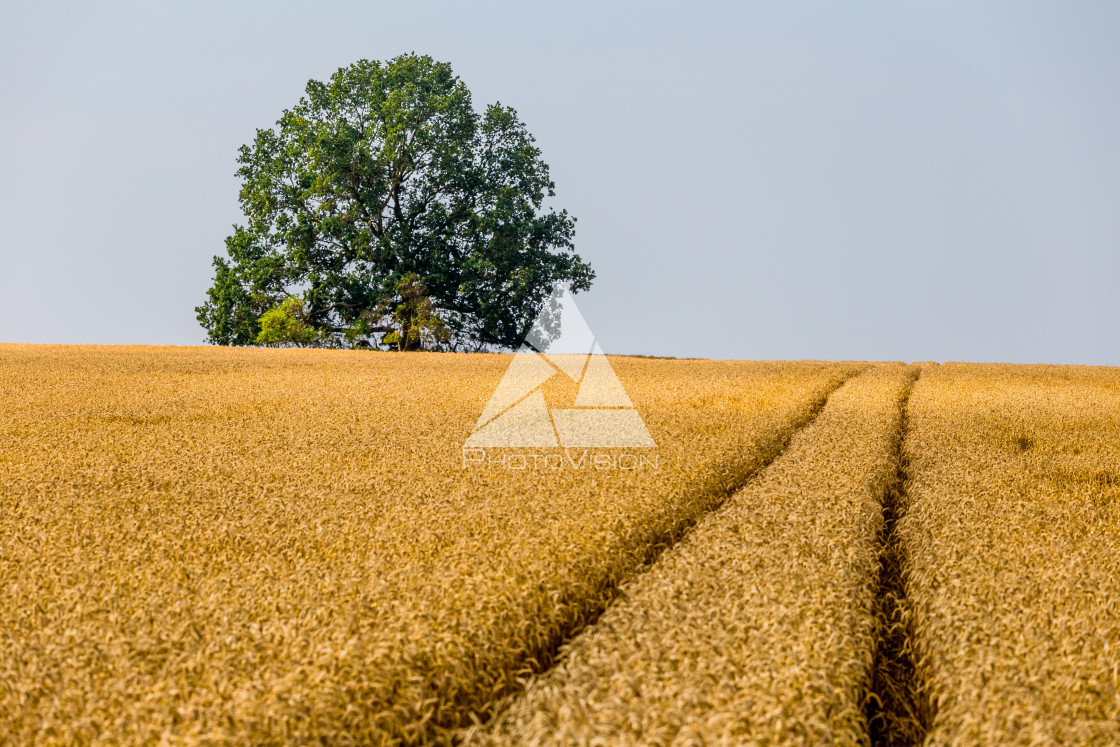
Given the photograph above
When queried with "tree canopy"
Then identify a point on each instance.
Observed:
(380, 186)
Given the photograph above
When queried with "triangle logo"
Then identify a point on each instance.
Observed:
(560, 343)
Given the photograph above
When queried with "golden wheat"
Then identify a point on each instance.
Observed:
(759, 626)
(1012, 535)
(272, 547)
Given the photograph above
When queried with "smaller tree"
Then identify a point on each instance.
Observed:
(286, 324)
(410, 316)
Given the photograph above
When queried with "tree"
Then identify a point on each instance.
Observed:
(386, 172)
(285, 325)
(412, 317)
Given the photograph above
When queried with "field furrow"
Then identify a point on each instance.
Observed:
(1012, 534)
(759, 626)
(275, 547)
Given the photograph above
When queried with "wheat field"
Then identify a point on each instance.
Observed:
(274, 547)
(760, 625)
(1012, 533)
(222, 546)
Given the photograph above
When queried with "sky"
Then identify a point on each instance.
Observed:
(872, 181)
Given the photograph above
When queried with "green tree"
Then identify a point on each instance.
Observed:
(411, 317)
(382, 173)
(285, 325)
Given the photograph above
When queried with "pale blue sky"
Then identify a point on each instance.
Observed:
(919, 181)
